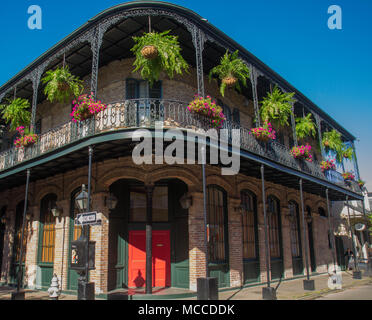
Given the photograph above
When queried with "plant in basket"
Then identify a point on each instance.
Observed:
(348, 176)
(208, 109)
(26, 138)
(61, 85)
(361, 183)
(326, 165)
(85, 106)
(231, 71)
(302, 152)
(156, 52)
(264, 133)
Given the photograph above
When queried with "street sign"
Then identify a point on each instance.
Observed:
(360, 227)
(87, 218)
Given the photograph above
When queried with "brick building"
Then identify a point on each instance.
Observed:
(99, 53)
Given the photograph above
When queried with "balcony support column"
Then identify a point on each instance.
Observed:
(254, 77)
(198, 38)
(355, 160)
(293, 122)
(36, 76)
(96, 43)
(319, 126)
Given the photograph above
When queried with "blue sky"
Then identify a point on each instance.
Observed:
(331, 67)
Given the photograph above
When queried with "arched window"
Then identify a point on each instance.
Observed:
(18, 234)
(295, 229)
(274, 227)
(47, 228)
(217, 216)
(249, 225)
(322, 212)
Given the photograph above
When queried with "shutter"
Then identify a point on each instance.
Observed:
(131, 89)
(156, 91)
(236, 116)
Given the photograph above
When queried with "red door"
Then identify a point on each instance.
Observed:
(160, 259)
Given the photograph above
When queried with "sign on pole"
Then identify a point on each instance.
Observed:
(87, 218)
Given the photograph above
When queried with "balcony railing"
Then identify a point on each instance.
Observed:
(143, 113)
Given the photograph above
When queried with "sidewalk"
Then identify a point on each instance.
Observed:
(293, 289)
(287, 290)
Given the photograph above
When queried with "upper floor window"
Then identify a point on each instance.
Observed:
(137, 89)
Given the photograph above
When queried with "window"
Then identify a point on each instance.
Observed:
(77, 229)
(47, 228)
(143, 102)
(216, 212)
(236, 116)
(294, 229)
(249, 226)
(18, 234)
(274, 227)
(322, 212)
(138, 204)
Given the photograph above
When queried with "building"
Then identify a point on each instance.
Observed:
(99, 53)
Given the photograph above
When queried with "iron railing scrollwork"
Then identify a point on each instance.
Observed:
(144, 113)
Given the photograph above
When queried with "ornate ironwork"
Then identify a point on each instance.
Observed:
(137, 113)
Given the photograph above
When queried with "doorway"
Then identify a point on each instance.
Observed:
(160, 259)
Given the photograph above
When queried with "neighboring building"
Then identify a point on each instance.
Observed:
(347, 215)
(370, 200)
(99, 52)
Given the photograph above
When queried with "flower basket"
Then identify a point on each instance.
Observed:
(348, 176)
(326, 165)
(302, 152)
(361, 183)
(26, 138)
(207, 109)
(264, 133)
(86, 107)
(149, 52)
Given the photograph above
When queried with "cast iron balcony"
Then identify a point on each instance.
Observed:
(143, 113)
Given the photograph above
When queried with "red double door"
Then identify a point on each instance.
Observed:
(161, 274)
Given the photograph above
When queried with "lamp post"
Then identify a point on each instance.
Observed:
(85, 289)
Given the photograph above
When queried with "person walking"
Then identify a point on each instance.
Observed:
(349, 254)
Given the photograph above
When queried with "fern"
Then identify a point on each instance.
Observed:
(169, 58)
(16, 113)
(231, 67)
(276, 107)
(305, 127)
(347, 152)
(61, 85)
(332, 141)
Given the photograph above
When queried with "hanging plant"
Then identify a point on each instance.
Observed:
(347, 152)
(302, 152)
(264, 133)
(332, 140)
(61, 85)
(305, 127)
(156, 52)
(276, 107)
(86, 107)
(16, 113)
(361, 183)
(231, 71)
(348, 176)
(27, 138)
(326, 165)
(209, 109)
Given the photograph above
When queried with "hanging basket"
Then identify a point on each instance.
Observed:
(63, 86)
(326, 144)
(262, 138)
(230, 81)
(149, 52)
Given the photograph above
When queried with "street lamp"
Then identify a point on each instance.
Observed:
(111, 201)
(81, 200)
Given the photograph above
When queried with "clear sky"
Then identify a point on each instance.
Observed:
(331, 67)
